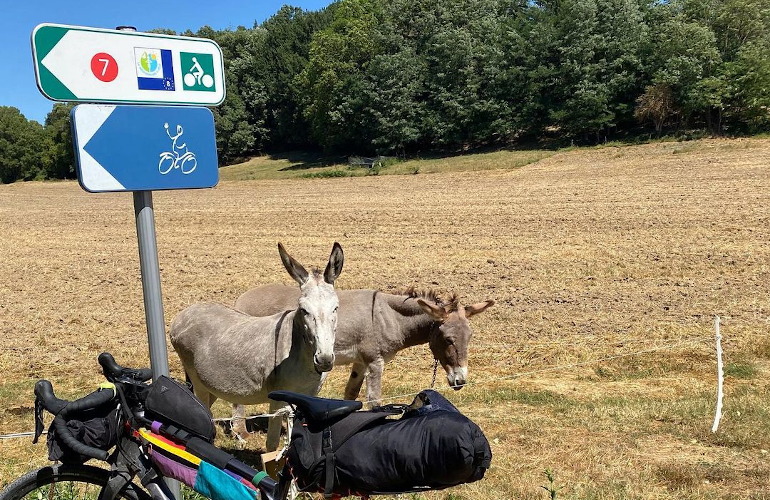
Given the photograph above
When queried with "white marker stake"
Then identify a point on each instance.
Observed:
(721, 377)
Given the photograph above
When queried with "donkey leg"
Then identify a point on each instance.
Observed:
(274, 427)
(374, 382)
(239, 422)
(201, 393)
(356, 380)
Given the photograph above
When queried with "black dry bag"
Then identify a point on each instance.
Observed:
(432, 446)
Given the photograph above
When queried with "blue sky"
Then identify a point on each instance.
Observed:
(17, 83)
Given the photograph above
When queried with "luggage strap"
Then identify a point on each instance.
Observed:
(329, 462)
(347, 428)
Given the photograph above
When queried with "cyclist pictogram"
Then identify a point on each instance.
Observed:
(179, 157)
(198, 71)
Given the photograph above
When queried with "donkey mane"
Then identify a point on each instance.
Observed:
(450, 304)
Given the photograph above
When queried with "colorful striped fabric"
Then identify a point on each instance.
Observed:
(171, 448)
(218, 485)
(173, 461)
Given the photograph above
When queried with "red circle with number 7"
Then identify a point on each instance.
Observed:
(104, 67)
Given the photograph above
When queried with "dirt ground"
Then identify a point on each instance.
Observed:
(592, 256)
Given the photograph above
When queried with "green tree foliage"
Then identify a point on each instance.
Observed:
(748, 77)
(284, 55)
(23, 147)
(240, 120)
(61, 155)
(404, 76)
(333, 82)
(597, 46)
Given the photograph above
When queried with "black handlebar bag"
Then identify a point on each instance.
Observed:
(170, 402)
(432, 446)
(96, 427)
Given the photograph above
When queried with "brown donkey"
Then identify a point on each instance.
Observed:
(373, 326)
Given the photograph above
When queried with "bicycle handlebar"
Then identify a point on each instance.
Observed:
(93, 400)
(62, 408)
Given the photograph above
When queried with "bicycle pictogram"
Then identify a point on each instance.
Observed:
(169, 160)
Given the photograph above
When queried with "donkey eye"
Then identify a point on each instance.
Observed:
(303, 311)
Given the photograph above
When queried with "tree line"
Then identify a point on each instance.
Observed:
(408, 76)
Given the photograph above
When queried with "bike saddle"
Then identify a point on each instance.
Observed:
(317, 409)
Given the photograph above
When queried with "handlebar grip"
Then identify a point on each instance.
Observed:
(143, 374)
(44, 392)
(110, 367)
(112, 370)
(93, 400)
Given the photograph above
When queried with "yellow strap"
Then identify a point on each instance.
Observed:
(109, 385)
(168, 448)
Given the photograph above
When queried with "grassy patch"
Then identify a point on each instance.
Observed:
(544, 398)
(685, 148)
(636, 368)
(741, 370)
(325, 174)
(623, 373)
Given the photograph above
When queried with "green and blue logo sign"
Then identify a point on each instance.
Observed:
(154, 69)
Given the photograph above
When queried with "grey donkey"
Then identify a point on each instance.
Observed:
(374, 326)
(240, 358)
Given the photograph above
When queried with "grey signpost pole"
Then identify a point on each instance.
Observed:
(153, 301)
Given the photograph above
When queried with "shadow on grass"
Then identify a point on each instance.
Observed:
(304, 160)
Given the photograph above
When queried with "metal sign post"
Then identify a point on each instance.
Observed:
(150, 269)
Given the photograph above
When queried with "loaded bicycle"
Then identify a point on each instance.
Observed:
(148, 431)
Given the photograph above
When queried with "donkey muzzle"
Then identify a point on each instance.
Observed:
(323, 362)
(457, 377)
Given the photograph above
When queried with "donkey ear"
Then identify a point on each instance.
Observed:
(334, 267)
(294, 268)
(436, 312)
(477, 308)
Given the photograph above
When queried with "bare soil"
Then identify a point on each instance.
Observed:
(592, 256)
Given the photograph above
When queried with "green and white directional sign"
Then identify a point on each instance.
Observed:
(74, 63)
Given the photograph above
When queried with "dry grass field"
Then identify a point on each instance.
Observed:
(590, 254)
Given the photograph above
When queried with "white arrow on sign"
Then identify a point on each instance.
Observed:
(91, 171)
(81, 64)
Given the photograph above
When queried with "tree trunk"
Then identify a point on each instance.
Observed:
(719, 120)
(708, 121)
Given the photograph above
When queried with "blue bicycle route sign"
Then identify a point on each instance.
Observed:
(144, 148)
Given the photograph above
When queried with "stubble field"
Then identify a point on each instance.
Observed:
(593, 256)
